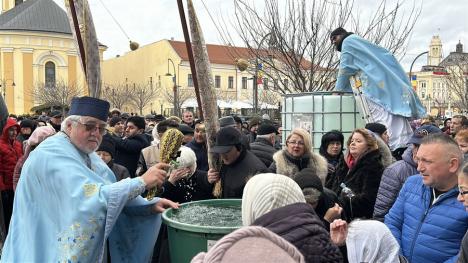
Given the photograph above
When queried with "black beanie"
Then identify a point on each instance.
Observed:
(307, 178)
(107, 145)
(338, 31)
(376, 127)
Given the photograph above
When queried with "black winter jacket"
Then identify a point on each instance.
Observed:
(120, 171)
(127, 151)
(391, 183)
(264, 150)
(201, 153)
(363, 179)
(186, 190)
(299, 225)
(234, 176)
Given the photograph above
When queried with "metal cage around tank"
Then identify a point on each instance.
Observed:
(320, 112)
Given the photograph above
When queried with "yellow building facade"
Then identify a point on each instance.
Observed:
(433, 83)
(155, 64)
(37, 46)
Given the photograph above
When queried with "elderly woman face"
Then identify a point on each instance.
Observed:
(295, 145)
(358, 145)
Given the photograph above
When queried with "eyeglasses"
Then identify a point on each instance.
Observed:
(299, 143)
(461, 192)
(92, 127)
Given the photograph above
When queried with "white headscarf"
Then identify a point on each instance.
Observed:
(187, 159)
(265, 192)
(155, 134)
(371, 241)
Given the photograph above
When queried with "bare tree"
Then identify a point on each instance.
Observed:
(58, 94)
(457, 84)
(117, 94)
(290, 38)
(224, 94)
(268, 95)
(183, 94)
(142, 95)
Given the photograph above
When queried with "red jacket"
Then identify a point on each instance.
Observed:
(10, 152)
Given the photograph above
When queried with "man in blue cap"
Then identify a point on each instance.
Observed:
(68, 205)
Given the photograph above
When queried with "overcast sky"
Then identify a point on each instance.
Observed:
(148, 21)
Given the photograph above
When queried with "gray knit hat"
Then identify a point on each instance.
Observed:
(251, 244)
(268, 191)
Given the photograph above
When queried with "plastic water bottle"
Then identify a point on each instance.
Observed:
(348, 192)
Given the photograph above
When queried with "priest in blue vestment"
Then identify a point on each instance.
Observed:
(385, 85)
(68, 206)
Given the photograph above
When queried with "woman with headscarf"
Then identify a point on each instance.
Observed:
(184, 184)
(357, 176)
(276, 202)
(251, 244)
(366, 241)
(332, 148)
(298, 155)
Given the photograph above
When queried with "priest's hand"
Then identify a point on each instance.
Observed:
(164, 203)
(155, 175)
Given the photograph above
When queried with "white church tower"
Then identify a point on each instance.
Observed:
(435, 52)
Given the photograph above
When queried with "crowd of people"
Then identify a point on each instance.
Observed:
(348, 196)
(80, 188)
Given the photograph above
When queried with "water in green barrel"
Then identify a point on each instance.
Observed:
(196, 226)
(206, 215)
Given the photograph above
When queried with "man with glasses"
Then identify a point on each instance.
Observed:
(427, 220)
(68, 206)
(386, 90)
(463, 198)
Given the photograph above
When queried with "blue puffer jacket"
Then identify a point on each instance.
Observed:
(427, 233)
(391, 183)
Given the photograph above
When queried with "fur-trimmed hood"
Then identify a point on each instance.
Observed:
(285, 166)
(387, 157)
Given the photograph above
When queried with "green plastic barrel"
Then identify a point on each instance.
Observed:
(186, 239)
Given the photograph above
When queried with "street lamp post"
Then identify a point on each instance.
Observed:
(255, 78)
(411, 67)
(174, 80)
(3, 84)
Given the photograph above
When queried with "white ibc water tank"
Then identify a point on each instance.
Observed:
(320, 112)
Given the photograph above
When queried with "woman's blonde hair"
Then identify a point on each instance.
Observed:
(462, 135)
(368, 136)
(305, 136)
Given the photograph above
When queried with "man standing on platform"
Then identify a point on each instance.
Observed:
(386, 89)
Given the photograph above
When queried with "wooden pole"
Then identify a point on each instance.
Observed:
(188, 45)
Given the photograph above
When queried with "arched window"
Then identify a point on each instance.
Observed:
(50, 74)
